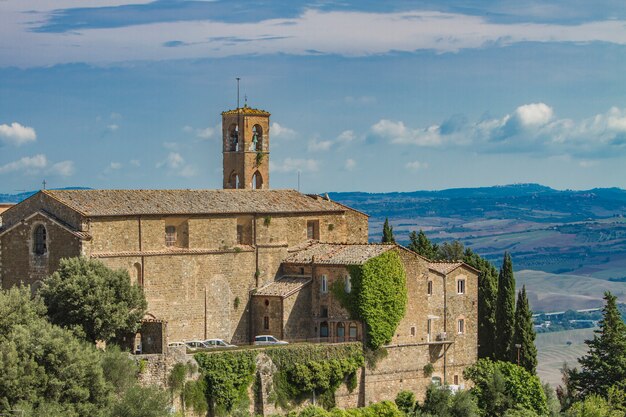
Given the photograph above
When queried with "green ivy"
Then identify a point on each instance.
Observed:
(227, 376)
(378, 296)
(314, 369)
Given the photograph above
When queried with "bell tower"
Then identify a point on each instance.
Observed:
(246, 148)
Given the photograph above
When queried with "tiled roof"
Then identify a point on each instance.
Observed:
(336, 254)
(247, 110)
(444, 267)
(284, 286)
(172, 251)
(135, 202)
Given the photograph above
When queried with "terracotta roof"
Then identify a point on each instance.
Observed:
(444, 267)
(135, 202)
(336, 254)
(247, 110)
(284, 286)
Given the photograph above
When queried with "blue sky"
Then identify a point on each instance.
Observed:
(367, 95)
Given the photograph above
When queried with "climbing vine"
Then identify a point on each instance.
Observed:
(227, 376)
(259, 158)
(307, 370)
(378, 296)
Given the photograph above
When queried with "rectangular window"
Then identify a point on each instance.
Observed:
(266, 323)
(324, 312)
(412, 330)
(170, 235)
(460, 286)
(313, 229)
(456, 380)
(324, 284)
(240, 234)
(461, 326)
(429, 329)
(429, 290)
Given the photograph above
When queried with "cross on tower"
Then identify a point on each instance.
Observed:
(44, 184)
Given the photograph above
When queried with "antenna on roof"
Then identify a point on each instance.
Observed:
(238, 91)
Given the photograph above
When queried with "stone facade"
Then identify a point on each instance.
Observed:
(233, 264)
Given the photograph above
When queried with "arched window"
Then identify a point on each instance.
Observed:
(234, 180)
(257, 181)
(324, 329)
(348, 284)
(138, 274)
(352, 331)
(341, 330)
(40, 245)
(233, 138)
(257, 138)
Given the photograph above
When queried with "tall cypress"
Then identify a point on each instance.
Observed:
(388, 232)
(524, 335)
(487, 297)
(420, 243)
(505, 310)
(604, 365)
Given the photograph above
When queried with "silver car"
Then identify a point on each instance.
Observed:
(268, 340)
(218, 343)
(195, 344)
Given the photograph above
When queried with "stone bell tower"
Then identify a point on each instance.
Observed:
(246, 148)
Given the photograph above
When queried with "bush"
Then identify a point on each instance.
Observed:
(405, 400)
(593, 406)
(142, 402)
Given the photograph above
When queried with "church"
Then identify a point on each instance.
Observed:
(247, 260)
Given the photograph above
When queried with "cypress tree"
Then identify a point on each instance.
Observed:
(524, 334)
(604, 366)
(505, 310)
(487, 297)
(420, 243)
(388, 232)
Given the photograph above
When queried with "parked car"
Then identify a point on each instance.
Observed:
(268, 340)
(218, 343)
(176, 344)
(195, 344)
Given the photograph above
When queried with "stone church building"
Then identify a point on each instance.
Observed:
(248, 260)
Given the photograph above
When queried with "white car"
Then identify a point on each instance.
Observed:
(268, 340)
(195, 344)
(218, 343)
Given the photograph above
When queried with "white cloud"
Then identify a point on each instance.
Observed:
(206, 133)
(38, 164)
(397, 132)
(350, 164)
(319, 145)
(175, 163)
(530, 128)
(63, 168)
(115, 165)
(587, 164)
(278, 131)
(346, 136)
(294, 165)
(28, 165)
(174, 160)
(113, 127)
(313, 31)
(415, 165)
(16, 134)
(170, 145)
(135, 162)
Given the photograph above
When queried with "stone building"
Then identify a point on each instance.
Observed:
(247, 260)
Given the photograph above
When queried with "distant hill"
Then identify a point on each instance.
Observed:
(557, 231)
(16, 198)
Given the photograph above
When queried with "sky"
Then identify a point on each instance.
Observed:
(364, 95)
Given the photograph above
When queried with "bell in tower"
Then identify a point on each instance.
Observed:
(246, 148)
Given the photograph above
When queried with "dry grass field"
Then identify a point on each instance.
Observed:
(553, 350)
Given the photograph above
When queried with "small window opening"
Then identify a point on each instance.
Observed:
(429, 290)
(324, 329)
(233, 138)
(341, 330)
(138, 274)
(460, 286)
(257, 181)
(324, 312)
(348, 284)
(266, 323)
(461, 326)
(40, 245)
(170, 235)
(324, 284)
(301, 271)
(313, 229)
(412, 330)
(257, 138)
(436, 381)
(240, 234)
(267, 303)
(456, 380)
(352, 331)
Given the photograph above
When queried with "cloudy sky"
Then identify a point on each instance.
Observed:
(364, 95)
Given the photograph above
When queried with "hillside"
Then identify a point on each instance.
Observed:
(576, 232)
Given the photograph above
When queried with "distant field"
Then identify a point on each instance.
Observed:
(553, 351)
(556, 292)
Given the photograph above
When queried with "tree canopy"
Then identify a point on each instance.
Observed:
(387, 233)
(505, 310)
(524, 334)
(99, 302)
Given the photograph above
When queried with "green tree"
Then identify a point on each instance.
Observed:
(500, 386)
(405, 400)
(388, 233)
(450, 252)
(604, 366)
(524, 335)
(487, 298)
(420, 244)
(505, 310)
(44, 369)
(593, 406)
(99, 302)
(142, 402)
